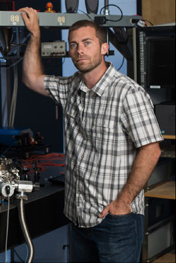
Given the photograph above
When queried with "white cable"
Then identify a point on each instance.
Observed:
(16, 92)
(7, 228)
(12, 101)
(25, 231)
(14, 98)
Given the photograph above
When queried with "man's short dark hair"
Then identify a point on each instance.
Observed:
(100, 32)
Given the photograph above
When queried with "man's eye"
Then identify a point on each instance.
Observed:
(87, 42)
(72, 45)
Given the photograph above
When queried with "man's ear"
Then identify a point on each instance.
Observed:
(104, 48)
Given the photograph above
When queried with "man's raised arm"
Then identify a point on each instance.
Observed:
(33, 75)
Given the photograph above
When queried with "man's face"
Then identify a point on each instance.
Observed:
(85, 49)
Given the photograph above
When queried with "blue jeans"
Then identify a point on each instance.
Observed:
(117, 239)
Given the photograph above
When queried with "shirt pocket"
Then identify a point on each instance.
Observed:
(102, 127)
(104, 123)
(102, 134)
(72, 115)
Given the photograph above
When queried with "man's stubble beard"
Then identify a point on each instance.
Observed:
(89, 67)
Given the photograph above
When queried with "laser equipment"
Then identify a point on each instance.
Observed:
(10, 184)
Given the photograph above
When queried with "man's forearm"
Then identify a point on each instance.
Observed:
(33, 76)
(142, 169)
(143, 166)
(32, 66)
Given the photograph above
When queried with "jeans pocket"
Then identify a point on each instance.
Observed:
(120, 216)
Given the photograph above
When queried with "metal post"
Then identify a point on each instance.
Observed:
(106, 12)
(134, 54)
(106, 9)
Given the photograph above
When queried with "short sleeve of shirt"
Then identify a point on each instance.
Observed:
(59, 87)
(138, 118)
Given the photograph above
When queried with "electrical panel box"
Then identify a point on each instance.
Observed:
(53, 49)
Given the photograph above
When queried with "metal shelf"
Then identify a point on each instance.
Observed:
(171, 137)
(65, 20)
(165, 190)
(169, 258)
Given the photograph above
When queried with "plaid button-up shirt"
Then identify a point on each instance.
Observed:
(104, 127)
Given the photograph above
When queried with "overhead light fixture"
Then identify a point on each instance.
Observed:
(92, 6)
(71, 6)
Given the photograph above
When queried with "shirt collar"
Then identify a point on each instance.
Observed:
(103, 83)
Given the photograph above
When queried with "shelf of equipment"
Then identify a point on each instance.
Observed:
(65, 20)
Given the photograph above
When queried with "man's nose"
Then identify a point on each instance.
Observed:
(80, 49)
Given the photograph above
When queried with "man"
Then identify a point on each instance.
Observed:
(111, 143)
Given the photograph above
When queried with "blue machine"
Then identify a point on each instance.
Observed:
(8, 135)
